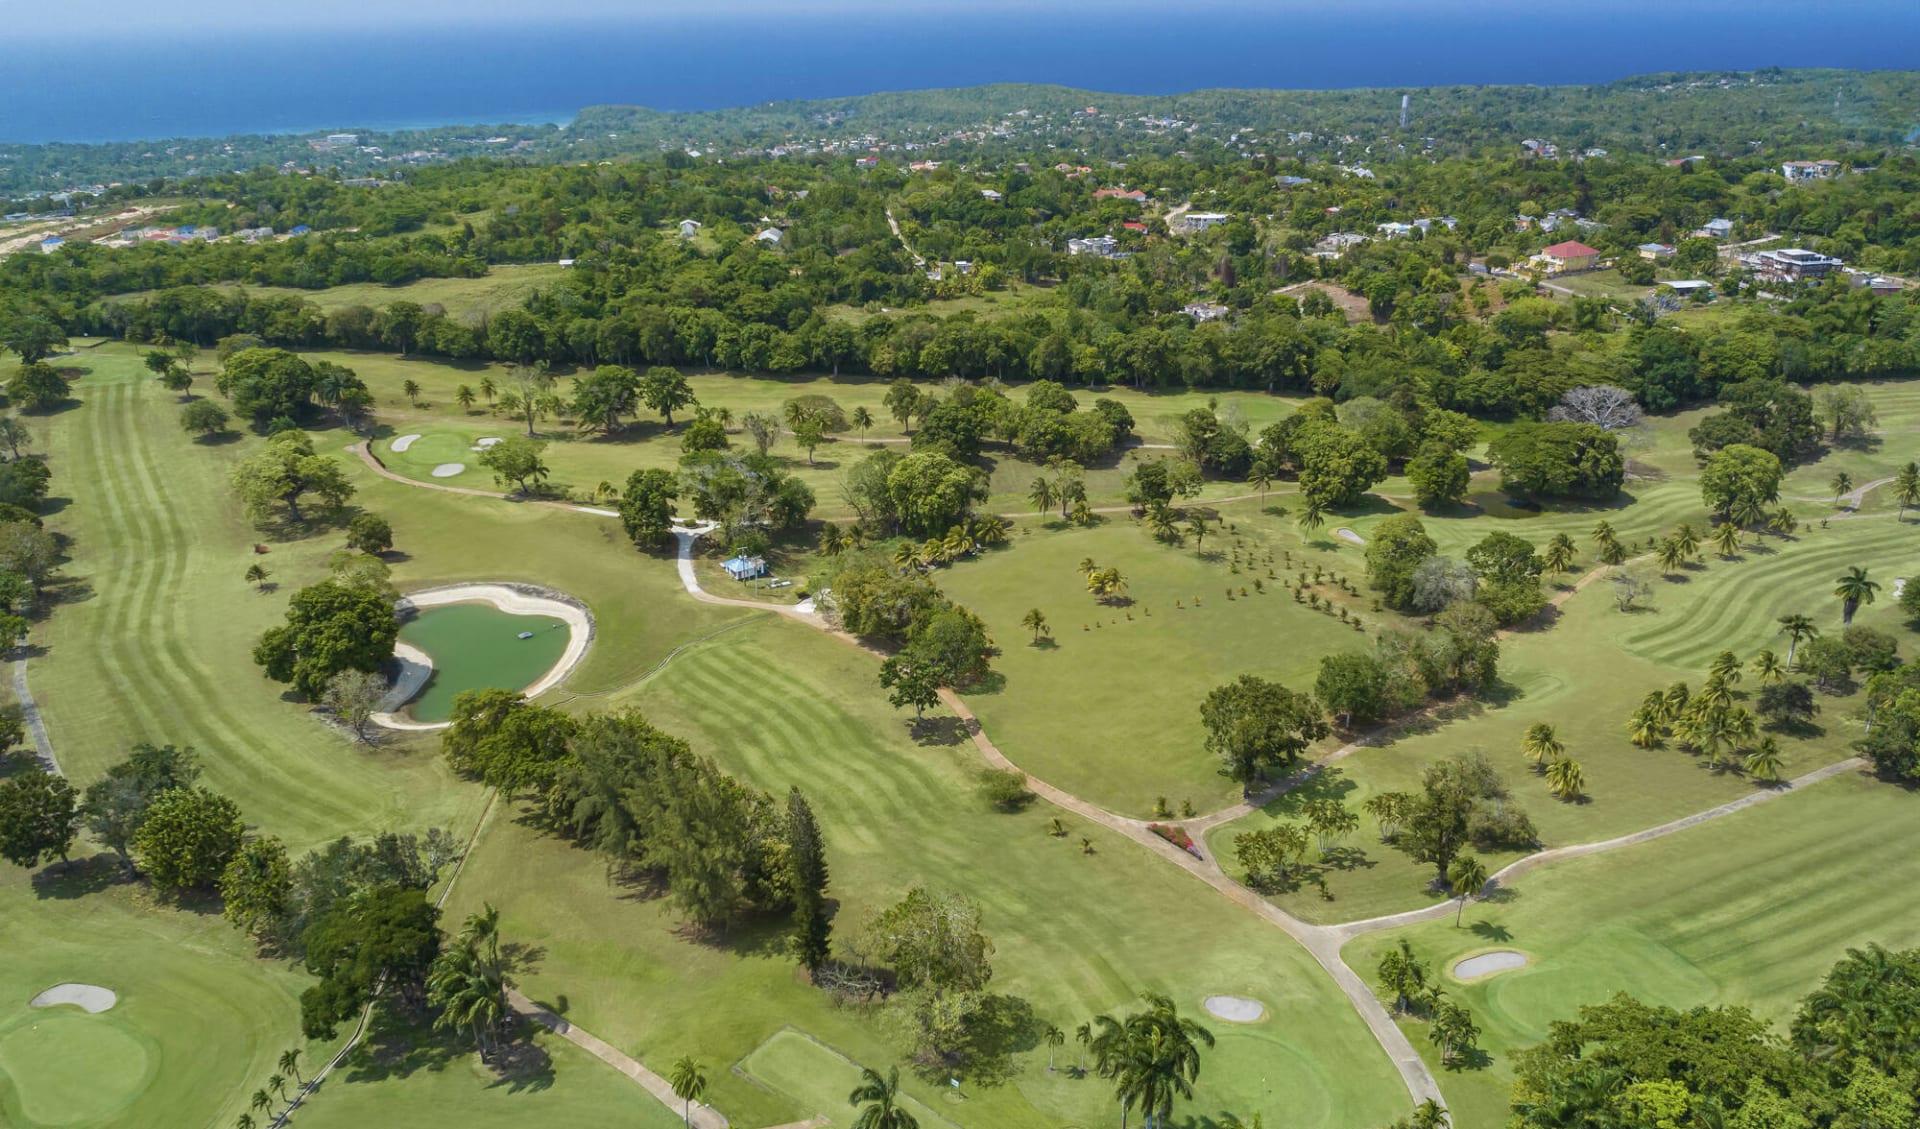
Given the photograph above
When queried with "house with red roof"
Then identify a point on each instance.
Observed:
(1568, 257)
(1130, 225)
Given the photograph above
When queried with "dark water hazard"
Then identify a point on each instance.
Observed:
(1494, 503)
(478, 647)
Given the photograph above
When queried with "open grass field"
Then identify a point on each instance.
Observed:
(1751, 909)
(199, 1024)
(468, 300)
(1074, 934)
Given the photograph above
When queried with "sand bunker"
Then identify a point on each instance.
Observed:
(401, 444)
(1350, 535)
(514, 599)
(448, 470)
(483, 444)
(1235, 1009)
(1486, 964)
(88, 997)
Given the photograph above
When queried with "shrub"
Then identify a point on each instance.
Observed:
(1005, 788)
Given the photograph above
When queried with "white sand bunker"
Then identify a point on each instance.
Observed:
(514, 599)
(1350, 535)
(1486, 964)
(483, 444)
(87, 997)
(448, 470)
(1235, 1009)
(401, 444)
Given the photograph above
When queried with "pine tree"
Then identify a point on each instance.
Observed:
(809, 861)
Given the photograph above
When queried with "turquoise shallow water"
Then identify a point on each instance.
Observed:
(478, 647)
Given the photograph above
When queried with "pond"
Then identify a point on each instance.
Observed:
(478, 647)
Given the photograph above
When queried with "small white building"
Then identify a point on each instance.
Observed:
(1205, 311)
(1103, 246)
(1199, 221)
(771, 236)
(689, 228)
(1718, 229)
(990, 195)
(1798, 172)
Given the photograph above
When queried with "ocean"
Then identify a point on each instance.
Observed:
(196, 83)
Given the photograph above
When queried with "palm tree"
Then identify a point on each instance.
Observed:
(1086, 566)
(1783, 522)
(1312, 516)
(464, 397)
(1612, 552)
(1767, 667)
(1798, 629)
(1670, 556)
(1041, 494)
(487, 389)
(244, 1121)
(1197, 525)
(468, 991)
(905, 555)
(1465, 876)
(1687, 539)
(876, 1096)
(1726, 539)
(689, 1085)
(1746, 513)
(1403, 974)
(257, 576)
(290, 1063)
(482, 931)
(1083, 1034)
(1560, 553)
(1055, 1038)
(1906, 489)
(1854, 589)
(1261, 478)
(1603, 532)
(1452, 1030)
(262, 1101)
(1763, 764)
(1643, 728)
(1675, 700)
(1715, 693)
(1842, 485)
(1541, 743)
(411, 390)
(861, 419)
(1035, 621)
(1160, 520)
(278, 1084)
(1564, 778)
(1725, 667)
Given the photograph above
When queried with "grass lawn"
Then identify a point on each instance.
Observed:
(1109, 708)
(1074, 934)
(817, 1078)
(198, 1026)
(412, 1076)
(1751, 909)
(503, 287)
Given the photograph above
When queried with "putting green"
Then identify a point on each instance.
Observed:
(478, 647)
(819, 1078)
(62, 1066)
(432, 449)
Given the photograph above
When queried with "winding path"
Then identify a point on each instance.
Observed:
(1322, 942)
(30, 715)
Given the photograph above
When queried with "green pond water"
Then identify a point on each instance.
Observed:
(478, 647)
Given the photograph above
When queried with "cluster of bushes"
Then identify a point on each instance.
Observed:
(1502, 573)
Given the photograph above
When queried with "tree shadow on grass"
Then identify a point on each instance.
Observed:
(1491, 931)
(938, 731)
(1473, 1059)
(77, 878)
(401, 1045)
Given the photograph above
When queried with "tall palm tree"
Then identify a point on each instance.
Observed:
(1560, 553)
(1768, 667)
(1603, 533)
(1725, 667)
(1676, 699)
(1612, 552)
(1842, 485)
(861, 419)
(1670, 556)
(463, 396)
(468, 992)
(689, 1084)
(875, 1096)
(1799, 628)
(278, 1084)
(1054, 1038)
(1715, 693)
(411, 390)
(290, 1063)
(1687, 539)
(262, 1101)
(1197, 525)
(244, 1121)
(1854, 589)
(1041, 494)
(487, 389)
(1035, 621)
(1541, 744)
(1564, 778)
(1726, 539)
(1782, 521)
(1083, 1035)
(481, 933)
(1906, 488)
(1312, 516)
(1465, 875)
(1261, 478)
(1747, 513)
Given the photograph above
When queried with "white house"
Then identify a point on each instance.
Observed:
(1199, 221)
(689, 228)
(771, 236)
(1799, 171)
(990, 195)
(1204, 311)
(1103, 246)
(1655, 252)
(1718, 229)
(1394, 230)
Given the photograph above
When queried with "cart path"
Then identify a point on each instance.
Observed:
(702, 1116)
(1322, 942)
(30, 714)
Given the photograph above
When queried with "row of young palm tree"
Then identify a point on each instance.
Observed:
(1152, 1057)
(961, 540)
(1416, 992)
